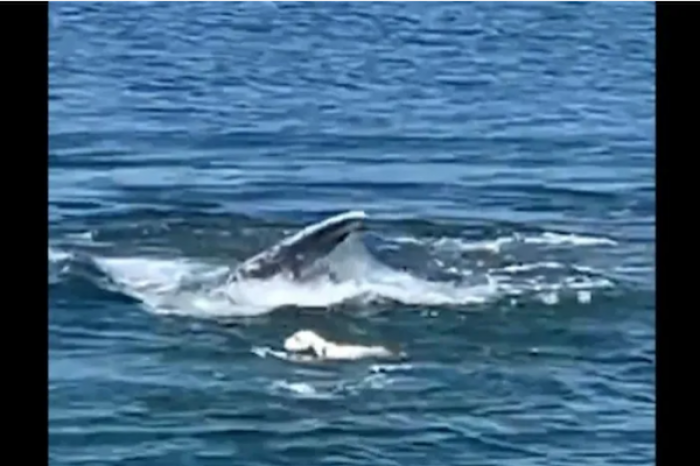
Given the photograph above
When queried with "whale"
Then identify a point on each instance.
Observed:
(296, 255)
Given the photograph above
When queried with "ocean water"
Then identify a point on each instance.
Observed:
(504, 153)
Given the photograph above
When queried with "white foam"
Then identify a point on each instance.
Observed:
(377, 378)
(530, 267)
(85, 236)
(298, 389)
(179, 286)
(497, 244)
(184, 287)
(572, 239)
(58, 264)
(550, 298)
(189, 287)
(56, 255)
(584, 296)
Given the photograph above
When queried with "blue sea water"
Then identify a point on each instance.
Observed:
(504, 153)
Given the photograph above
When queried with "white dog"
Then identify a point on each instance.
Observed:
(305, 340)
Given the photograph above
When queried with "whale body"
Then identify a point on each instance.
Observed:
(296, 254)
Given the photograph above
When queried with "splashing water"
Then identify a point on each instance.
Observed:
(350, 274)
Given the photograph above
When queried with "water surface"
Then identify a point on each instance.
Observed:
(505, 155)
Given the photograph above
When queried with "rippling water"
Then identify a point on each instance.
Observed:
(505, 155)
